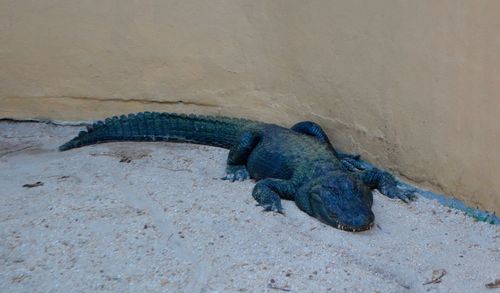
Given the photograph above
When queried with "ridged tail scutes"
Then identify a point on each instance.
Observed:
(155, 126)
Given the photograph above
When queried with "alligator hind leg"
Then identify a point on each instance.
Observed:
(238, 155)
(386, 184)
(312, 129)
(268, 193)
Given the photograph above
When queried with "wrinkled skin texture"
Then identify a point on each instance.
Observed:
(298, 164)
(342, 202)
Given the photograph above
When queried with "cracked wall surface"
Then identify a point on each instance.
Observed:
(411, 86)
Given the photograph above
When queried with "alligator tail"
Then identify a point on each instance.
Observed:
(153, 126)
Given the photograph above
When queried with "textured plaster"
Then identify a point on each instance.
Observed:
(411, 86)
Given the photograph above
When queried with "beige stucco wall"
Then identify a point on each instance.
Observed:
(413, 86)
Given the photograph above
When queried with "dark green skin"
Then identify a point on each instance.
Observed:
(296, 164)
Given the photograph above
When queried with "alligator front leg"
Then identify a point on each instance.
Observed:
(268, 193)
(238, 155)
(386, 184)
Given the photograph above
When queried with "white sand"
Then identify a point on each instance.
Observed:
(164, 222)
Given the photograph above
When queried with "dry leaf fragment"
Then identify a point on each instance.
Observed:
(437, 276)
(493, 285)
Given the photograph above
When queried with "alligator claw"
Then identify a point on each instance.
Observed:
(273, 208)
(352, 164)
(343, 156)
(409, 195)
(351, 167)
(236, 173)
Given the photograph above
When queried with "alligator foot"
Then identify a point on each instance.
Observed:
(386, 184)
(236, 173)
(405, 195)
(272, 207)
(266, 197)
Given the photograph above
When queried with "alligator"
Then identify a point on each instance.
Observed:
(298, 164)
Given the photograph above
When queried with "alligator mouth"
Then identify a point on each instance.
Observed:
(324, 217)
(354, 229)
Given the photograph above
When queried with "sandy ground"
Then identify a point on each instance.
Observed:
(154, 217)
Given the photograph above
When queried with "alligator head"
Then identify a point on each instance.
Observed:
(341, 201)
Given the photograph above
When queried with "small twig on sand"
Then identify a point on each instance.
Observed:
(31, 185)
(271, 286)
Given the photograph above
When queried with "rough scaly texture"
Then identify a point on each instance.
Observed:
(298, 164)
